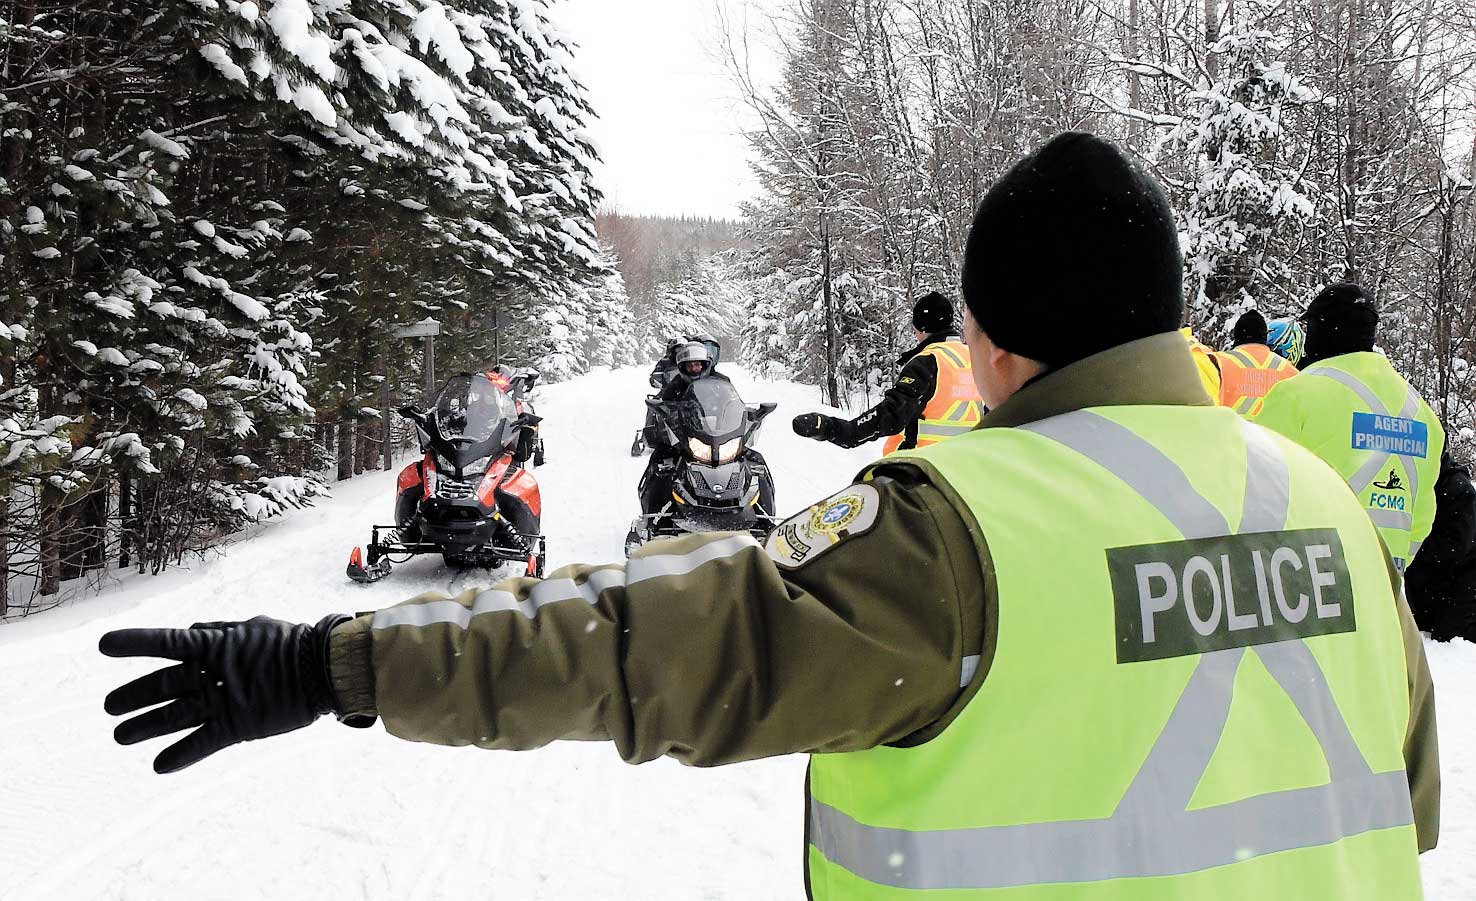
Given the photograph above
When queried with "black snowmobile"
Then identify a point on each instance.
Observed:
(471, 498)
(710, 475)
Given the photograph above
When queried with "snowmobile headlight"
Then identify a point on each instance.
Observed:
(445, 466)
(700, 449)
(729, 450)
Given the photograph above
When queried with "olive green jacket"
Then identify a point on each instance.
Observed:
(839, 636)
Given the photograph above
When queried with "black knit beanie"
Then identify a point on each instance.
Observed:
(1072, 252)
(1250, 328)
(1342, 319)
(933, 313)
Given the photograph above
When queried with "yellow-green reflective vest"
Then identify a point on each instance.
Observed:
(1196, 688)
(1357, 413)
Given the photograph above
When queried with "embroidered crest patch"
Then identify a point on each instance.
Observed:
(845, 515)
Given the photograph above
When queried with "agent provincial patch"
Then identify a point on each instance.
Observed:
(804, 537)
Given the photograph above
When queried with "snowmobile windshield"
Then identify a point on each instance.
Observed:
(471, 407)
(713, 408)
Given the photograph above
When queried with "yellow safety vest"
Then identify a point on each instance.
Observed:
(1357, 413)
(1194, 689)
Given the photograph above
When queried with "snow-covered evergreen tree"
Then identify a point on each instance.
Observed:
(1248, 202)
(211, 214)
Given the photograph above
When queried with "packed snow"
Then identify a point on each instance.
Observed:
(331, 812)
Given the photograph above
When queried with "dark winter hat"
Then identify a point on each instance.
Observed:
(932, 313)
(1342, 319)
(1073, 251)
(1250, 328)
(1343, 303)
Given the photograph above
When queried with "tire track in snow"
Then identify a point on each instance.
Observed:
(84, 871)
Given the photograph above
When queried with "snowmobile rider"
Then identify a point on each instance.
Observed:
(933, 398)
(693, 362)
(1250, 368)
(1017, 670)
(1391, 455)
(665, 369)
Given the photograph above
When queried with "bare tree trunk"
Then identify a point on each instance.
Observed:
(84, 532)
(125, 516)
(1352, 137)
(832, 387)
(364, 455)
(49, 556)
(1211, 36)
(387, 448)
(345, 449)
(5, 551)
(1135, 81)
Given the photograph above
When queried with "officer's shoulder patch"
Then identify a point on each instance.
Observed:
(906, 380)
(843, 515)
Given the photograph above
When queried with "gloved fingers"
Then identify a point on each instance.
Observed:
(155, 688)
(193, 748)
(219, 624)
(185, 713)
(172, 644)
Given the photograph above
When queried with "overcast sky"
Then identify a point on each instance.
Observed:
(669, 125)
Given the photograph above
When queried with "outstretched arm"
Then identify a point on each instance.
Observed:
(704, 648)
(900, 406)
(708, 648)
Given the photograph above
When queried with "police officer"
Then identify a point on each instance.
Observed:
(1116, 642)
(1351, 408)
(1250, 368)
(1440, 583)
(934, 396)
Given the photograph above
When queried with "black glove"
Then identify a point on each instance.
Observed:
(813, 425)
(236, 681)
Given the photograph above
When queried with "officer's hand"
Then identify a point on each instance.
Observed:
(235, 681)
(812, 425)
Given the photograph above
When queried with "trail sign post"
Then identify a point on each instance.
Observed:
(428, 329)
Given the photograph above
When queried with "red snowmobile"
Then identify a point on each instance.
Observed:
(472, 498)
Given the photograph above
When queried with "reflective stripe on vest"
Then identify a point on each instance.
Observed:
(955, 407)
(1247, 374)
(1379, 462)
(1152, 832)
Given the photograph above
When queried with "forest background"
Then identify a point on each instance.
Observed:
(213, 215)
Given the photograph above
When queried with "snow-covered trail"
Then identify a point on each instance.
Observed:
(336, 813)
(330, 812)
